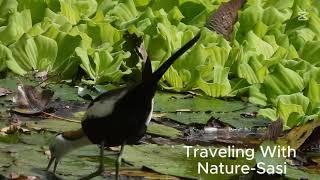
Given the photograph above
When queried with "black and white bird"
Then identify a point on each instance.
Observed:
(116, 118)
(121, 116)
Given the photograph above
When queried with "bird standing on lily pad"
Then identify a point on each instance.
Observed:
(116, 118)
(120, 117)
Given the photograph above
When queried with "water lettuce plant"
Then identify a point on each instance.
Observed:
(272, 56)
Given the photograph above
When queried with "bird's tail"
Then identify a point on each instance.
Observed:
(147, 70)
(156, 76)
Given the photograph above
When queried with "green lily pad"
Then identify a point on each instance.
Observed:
(26, 158)
(11, 80)
(172, 160)
(189, 117)
(54, 125)
(167, 102)
(296, 173)
(5, 160)
(233, 118)
(237, 120)
(298, 135)
(82, 162)
(39, 139)
(10, 139)
(31, 160)
(9, 83)
(65, 92)
(78, 115)
(162, 130)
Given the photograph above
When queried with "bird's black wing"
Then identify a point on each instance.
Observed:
(115, 121)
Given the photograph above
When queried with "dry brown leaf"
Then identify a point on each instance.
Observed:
(13, 129)
(42, 75)
(30, 100)
(14, 176)
(5, 130)
(4, 91)
(37, 128)
(15, 126)
(249, 114)
(274, 130)
(298, 135)
(135, 45)
(217, 123)
(312, 143)
(225, 17)
(115, 148)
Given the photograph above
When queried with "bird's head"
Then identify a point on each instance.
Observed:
(63, 143)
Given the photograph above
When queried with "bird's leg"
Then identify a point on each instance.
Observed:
(118, 162)
(101, 165)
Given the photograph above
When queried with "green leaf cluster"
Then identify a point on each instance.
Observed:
(272, 57)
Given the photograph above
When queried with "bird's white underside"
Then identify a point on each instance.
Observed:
(150, 114)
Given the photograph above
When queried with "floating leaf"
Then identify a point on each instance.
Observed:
(163, 131)
(4, 91)
(171, 102)
(180, 165)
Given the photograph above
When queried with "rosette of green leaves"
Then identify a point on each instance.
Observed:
(275, 55)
